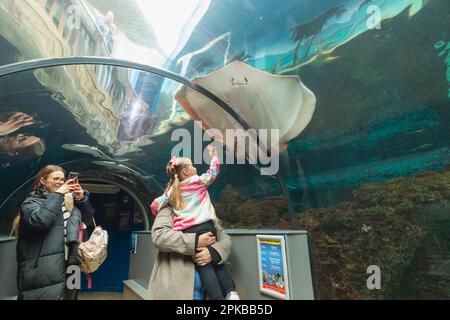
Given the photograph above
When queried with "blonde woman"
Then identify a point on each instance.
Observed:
(41, 259)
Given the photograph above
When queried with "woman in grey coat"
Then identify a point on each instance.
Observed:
(173, 272)
(41, 263)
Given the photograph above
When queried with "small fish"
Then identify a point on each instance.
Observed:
(5, 164)
(422, 147)
(365, 228)
(332, 58)
(39, 124)
(416, 131)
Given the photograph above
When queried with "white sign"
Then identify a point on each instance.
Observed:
(272, 265)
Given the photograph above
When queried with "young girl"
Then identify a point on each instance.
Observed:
(194, 213)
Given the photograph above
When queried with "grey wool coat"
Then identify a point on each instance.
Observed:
(173, 273)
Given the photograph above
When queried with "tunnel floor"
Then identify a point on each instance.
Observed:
(100, 296)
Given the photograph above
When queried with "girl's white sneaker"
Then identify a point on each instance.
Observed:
(233, 295)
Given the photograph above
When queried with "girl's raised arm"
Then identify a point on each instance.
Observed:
(210, 176)
(159, 203)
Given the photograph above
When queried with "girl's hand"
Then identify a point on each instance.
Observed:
(212, 150)
(78, 193)
(206, 239)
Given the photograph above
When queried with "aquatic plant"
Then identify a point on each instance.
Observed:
(400, 225)
(239, 211)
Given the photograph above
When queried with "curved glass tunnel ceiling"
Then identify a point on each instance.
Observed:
(101, 120)
(368, 176)
(199, 37)
(120, 108)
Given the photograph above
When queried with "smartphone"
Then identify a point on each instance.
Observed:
(73, 175)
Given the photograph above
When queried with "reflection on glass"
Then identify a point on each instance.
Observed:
(20, 146)
(85, 149)
(119, 112)
(10, 122)
(107, 27)
(369, 174)
(136, 121)
(70, 29)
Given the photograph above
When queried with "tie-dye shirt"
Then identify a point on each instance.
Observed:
(197, 204)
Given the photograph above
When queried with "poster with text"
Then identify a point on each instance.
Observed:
(272, 266)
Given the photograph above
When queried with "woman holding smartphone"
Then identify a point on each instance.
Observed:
(41, 255)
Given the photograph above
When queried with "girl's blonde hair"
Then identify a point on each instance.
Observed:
(173, 169)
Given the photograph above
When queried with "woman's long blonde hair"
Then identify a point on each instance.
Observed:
(173, 169)
(15, 226)
(44, 173)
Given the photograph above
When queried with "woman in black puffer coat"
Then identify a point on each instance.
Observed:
(41, 261)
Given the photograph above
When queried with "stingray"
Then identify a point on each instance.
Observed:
(263, 100)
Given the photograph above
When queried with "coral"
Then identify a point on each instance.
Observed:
(347, 239)
(228, 206)
(403, 194)
(238, 211)
(401, 226)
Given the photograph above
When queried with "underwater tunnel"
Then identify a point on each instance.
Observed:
(341, 107)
